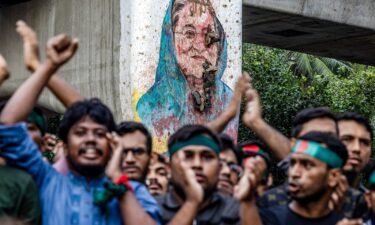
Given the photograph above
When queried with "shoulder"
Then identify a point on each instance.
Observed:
(274, 196)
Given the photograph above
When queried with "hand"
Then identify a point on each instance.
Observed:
(193, 190)
(49, 142)
(60, 49)
(350, 222)
(338, 194)
(226, 189)
(30, 45)
(113, 169)
(4, 72)
(242, 85)
(253, 172)
(253, 111)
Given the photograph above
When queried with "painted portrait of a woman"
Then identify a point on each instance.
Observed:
(192, 60)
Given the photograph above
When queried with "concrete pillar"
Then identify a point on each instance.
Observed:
(142, 61)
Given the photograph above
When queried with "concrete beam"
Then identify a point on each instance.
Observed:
(93, 70)
(338, 29)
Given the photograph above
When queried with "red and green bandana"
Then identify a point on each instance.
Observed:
(252, 149)
(318, 151)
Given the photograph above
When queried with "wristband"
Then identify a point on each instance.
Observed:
(111, 190)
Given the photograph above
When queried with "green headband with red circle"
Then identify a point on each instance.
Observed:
(319, 152)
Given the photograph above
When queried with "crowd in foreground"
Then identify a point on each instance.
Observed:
(100, 172)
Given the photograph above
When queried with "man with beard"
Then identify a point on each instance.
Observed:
(315, 167)
(356, 134)
(193, 198)
(137, 143)
(157, 179)
(84, 130)
(230, 171)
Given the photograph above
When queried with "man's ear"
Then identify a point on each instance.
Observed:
(333, 177)
(367, 196)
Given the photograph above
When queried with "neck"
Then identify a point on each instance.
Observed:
(312, 209)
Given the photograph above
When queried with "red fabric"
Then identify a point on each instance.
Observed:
(251, 148)
(125, 181)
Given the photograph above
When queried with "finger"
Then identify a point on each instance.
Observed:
(59, 42)
(70, 51)
(331, 205)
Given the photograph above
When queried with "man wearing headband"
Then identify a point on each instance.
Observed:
(252, 149)
(230, 171)
(193, 197)
(316, 164)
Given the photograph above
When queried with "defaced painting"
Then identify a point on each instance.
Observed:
(188, 86)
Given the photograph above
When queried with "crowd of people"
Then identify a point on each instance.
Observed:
(100, 172)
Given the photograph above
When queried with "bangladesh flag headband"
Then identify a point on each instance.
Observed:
(197, 140)
(317, 151)
(253, 149)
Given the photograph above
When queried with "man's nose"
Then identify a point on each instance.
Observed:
(225, 170)
(129, 157)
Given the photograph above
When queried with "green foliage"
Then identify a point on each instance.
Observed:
(289, 82)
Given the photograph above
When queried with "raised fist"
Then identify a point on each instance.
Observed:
(60, 49)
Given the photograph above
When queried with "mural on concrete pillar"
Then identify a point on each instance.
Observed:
(188, 86)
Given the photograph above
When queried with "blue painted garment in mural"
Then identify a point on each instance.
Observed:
(167, 105)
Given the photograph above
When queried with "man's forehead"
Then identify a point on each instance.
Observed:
(351, 127)
(158, 165)
(228, 155)
(87, 122)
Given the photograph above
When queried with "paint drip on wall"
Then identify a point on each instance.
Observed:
(197, 63)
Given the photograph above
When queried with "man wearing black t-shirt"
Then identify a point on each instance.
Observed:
(315, 167)
(193, 197)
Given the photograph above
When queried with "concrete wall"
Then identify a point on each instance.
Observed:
(94, 69)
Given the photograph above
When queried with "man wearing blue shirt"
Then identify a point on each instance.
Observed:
(69, 199)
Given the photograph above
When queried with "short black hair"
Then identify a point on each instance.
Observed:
(332, 142)
(357, 118)
(227, 143)
(127, 127)
(188, 131)
(306, 115)
(93, 108)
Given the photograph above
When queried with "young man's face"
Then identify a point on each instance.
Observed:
(157, 179)
(324, 124)
(205, 164)
(307, 177)
(229, 172)
(357, 140)
(135, 159)
(88, 147)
